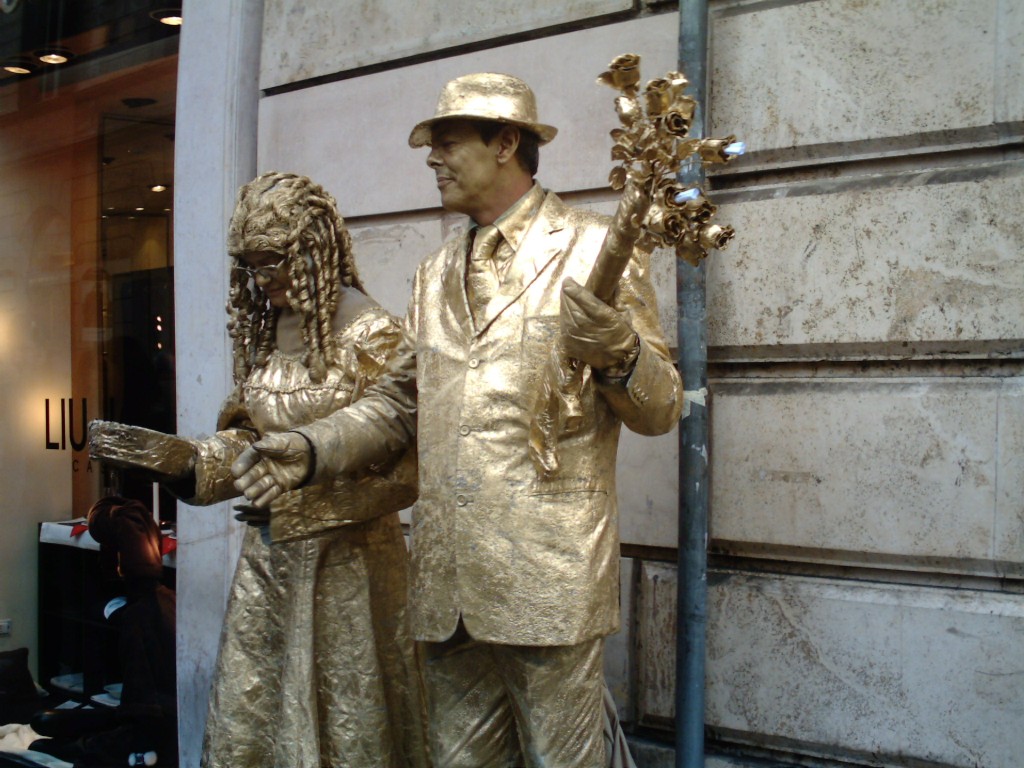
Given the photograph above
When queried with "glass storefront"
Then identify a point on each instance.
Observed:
(86, 263)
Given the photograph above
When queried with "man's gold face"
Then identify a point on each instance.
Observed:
(465, 167)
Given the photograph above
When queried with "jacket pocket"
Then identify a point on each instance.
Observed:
(567, 522)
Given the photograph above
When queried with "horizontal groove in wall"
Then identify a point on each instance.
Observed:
(782, 752)
(746, 755)
(650, 553)
(852, 355)
(899, 369)
(725, 558)
(880, 385)
(473, 47)
(577, 197)
(726, 8)
(852, 173)
(411, 216)
(728, 557)
(905, 147)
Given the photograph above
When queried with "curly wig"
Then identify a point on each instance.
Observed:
(291, 215)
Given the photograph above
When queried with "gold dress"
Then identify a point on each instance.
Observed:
(316, 665)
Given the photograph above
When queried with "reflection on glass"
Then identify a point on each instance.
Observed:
(138, 284)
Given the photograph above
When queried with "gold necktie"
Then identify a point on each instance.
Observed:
(481, 275)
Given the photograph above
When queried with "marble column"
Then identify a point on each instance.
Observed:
(215, 152)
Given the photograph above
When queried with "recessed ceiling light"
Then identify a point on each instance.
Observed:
(169, 16)
(140, 209)
(54, 55)
(19, 65)
(158, 188)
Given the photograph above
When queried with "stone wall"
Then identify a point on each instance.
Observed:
(867, 499)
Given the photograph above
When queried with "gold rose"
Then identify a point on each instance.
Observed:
(623, 73)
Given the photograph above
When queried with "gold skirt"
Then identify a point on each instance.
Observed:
(316, 665)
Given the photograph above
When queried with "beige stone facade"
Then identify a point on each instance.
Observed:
(866, 332)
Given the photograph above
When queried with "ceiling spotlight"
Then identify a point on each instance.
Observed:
(54, 55)
(140, 209)
(169, 16)
(158, 188)
(19, 65)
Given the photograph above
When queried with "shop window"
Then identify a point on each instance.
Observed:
(86, 293)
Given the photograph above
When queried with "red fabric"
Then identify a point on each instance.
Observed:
(168, 545)
(78, 529)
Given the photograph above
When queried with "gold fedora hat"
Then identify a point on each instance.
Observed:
(485, 96)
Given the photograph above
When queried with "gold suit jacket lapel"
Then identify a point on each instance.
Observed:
(548, 237)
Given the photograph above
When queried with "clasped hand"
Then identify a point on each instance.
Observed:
(277, 463)
(593, 332)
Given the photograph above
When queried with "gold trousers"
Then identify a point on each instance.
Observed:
(505, 706)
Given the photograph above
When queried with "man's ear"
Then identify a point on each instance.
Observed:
(507, 142)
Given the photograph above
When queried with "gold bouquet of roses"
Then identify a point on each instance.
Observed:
(653, 147)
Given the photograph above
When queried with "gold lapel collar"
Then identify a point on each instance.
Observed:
(548, 237)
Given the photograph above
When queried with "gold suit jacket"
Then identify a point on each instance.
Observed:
(524, 561)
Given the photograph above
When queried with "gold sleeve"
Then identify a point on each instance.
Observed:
(130, 447)
(347, 498)
(344, 500)
(214, 455)
(651, 400)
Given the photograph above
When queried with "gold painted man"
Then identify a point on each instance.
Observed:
(515, 578)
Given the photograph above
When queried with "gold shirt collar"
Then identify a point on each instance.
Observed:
(514, 222)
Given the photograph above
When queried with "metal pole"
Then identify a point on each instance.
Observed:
(692, 598)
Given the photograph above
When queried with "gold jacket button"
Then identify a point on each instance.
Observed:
(473, 362)
(461, 500)
(464, 430)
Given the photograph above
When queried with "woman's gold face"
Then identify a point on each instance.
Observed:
(268, 271)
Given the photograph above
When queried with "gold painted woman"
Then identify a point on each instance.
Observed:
(316, 666)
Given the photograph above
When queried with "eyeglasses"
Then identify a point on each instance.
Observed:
(267, 272)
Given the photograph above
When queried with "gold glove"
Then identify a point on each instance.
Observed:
(594, 333)
(277, 463)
